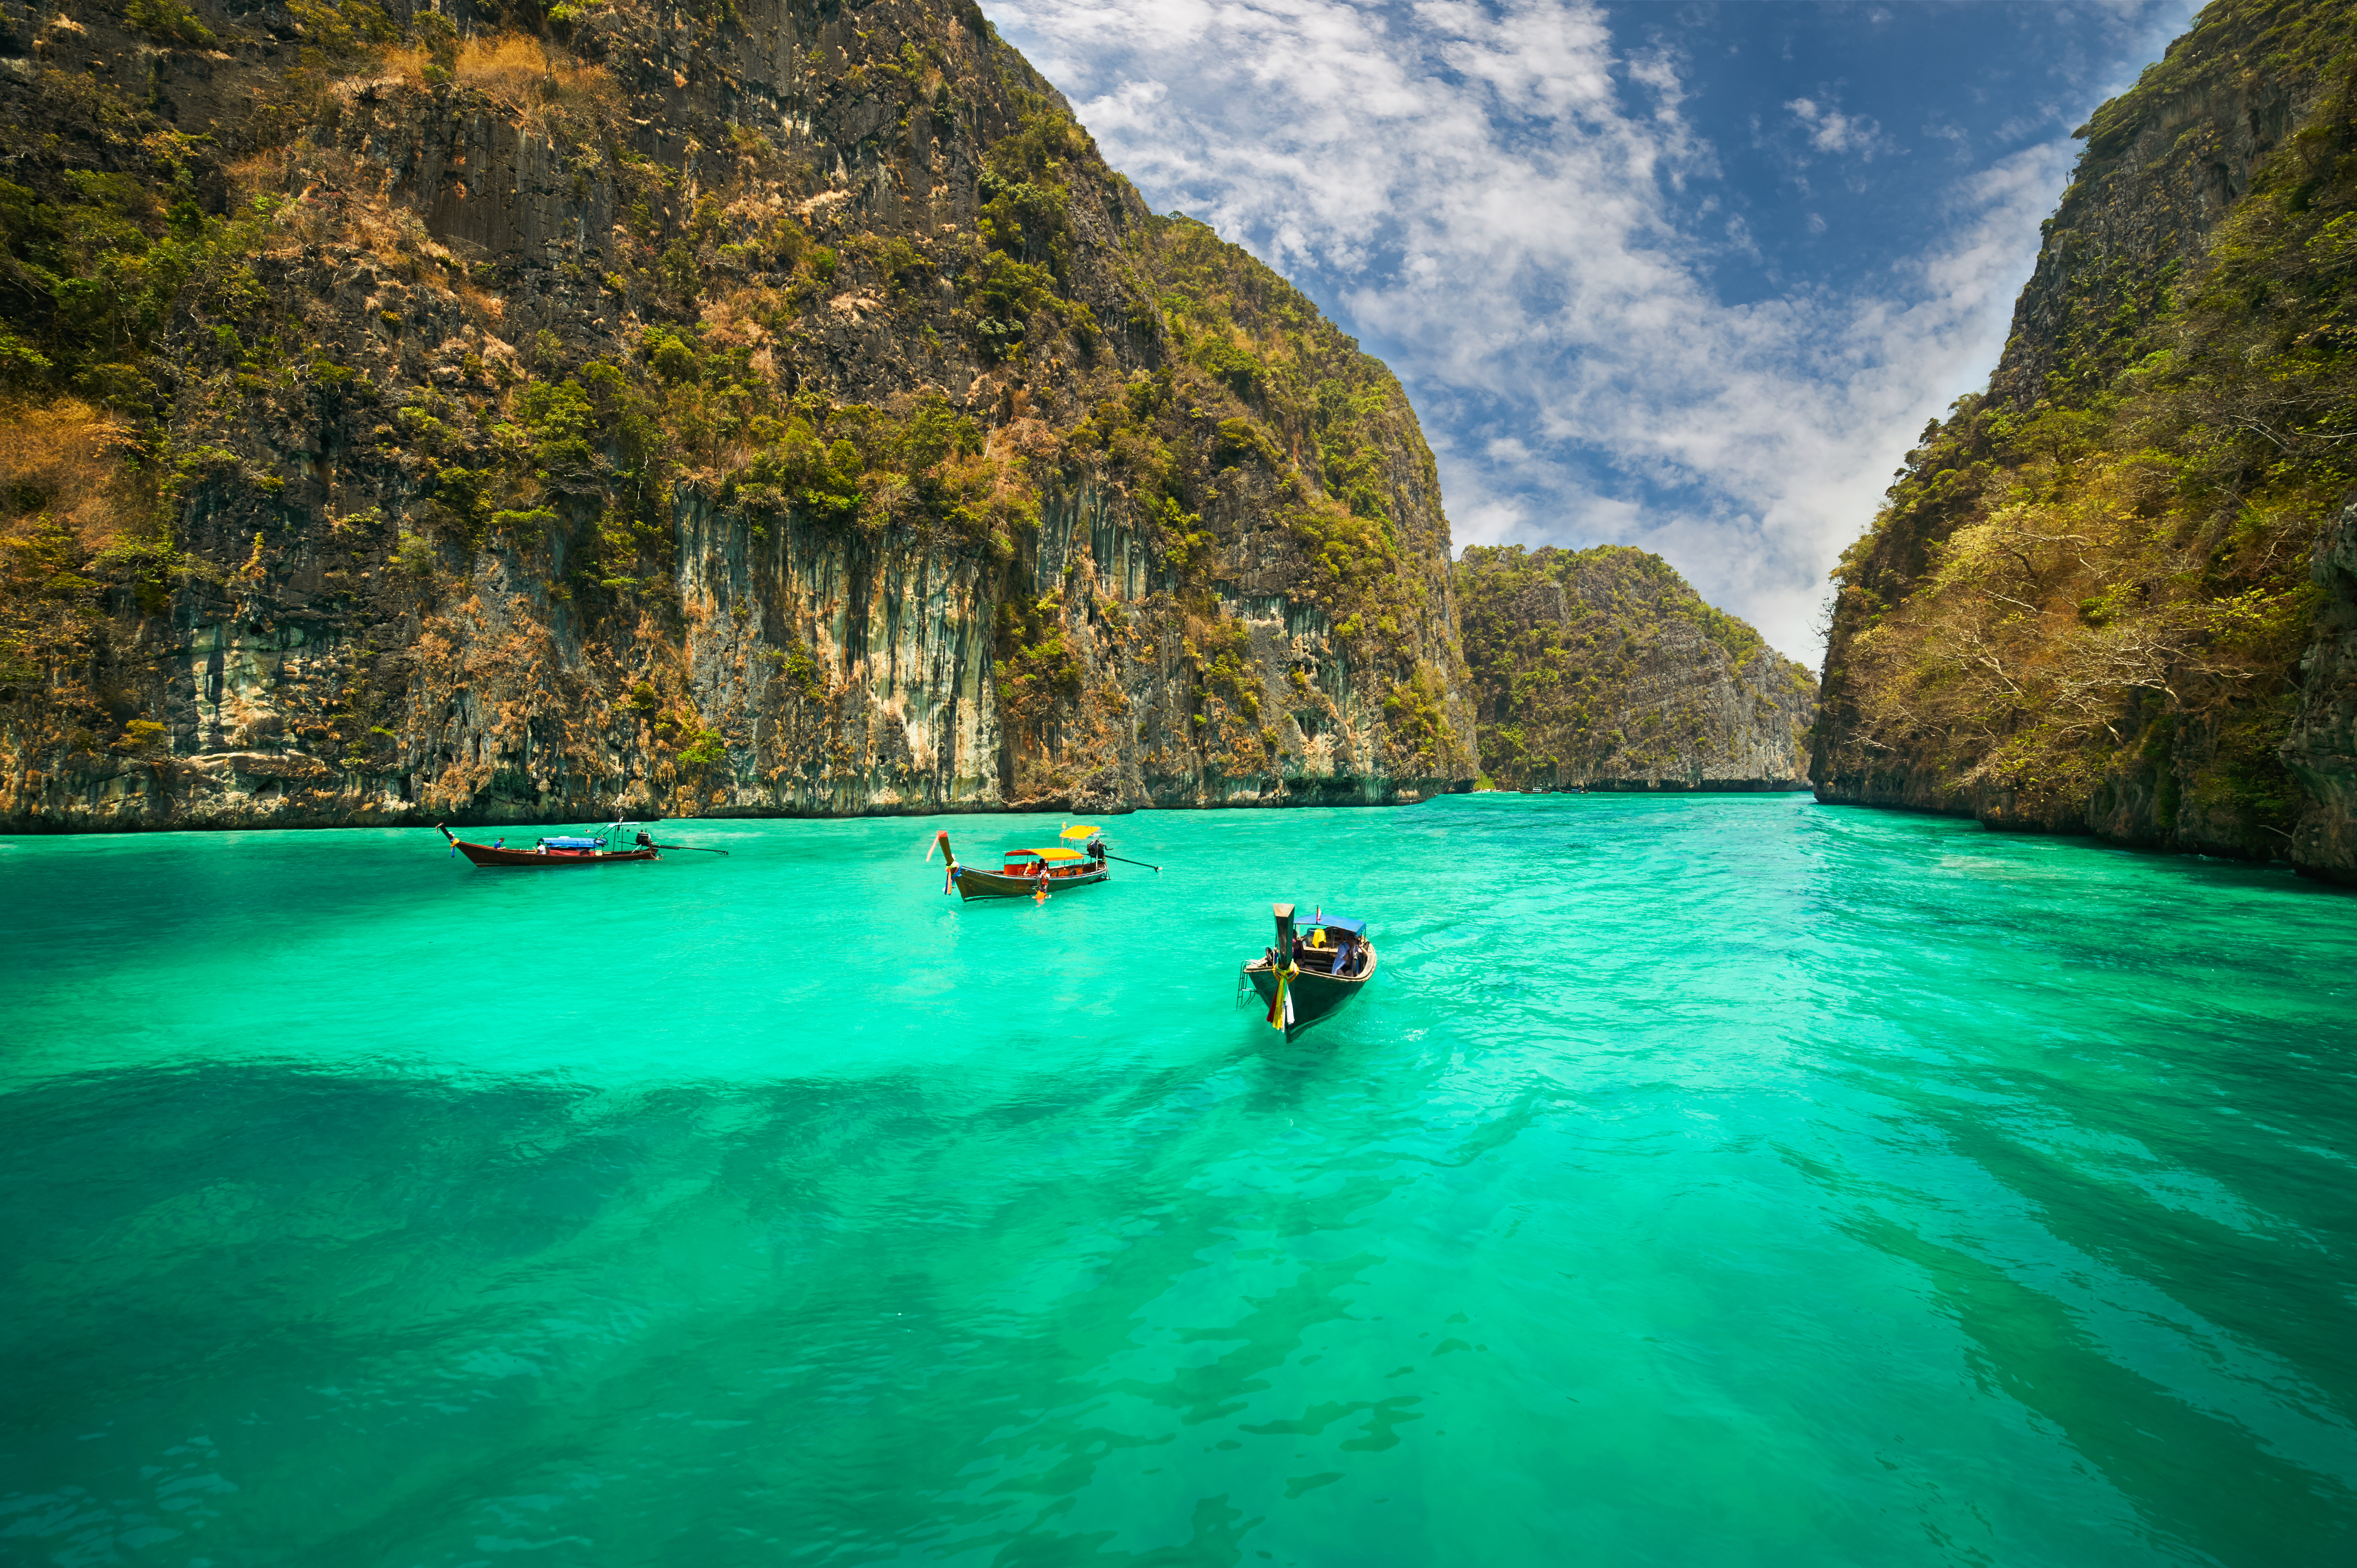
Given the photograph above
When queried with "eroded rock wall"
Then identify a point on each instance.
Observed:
(928, 471)
(2321, 750)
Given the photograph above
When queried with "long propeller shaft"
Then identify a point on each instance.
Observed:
(1127, 861)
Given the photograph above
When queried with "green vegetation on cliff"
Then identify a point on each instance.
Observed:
(2131, 230)
(536, 409)
(1314, 406)
(2086, 598)
(1308, 434)
(1602, 665)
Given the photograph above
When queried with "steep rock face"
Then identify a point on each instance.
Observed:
(2321, 749)
(1603, 669)
(2084, 607)
(783, 414)
(2162, 166)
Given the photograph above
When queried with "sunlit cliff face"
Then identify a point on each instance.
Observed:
(793, 415)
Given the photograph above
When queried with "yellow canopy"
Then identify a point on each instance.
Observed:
(1079, 833)
(1053, 854)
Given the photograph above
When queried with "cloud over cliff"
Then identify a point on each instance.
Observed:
(1513, 203)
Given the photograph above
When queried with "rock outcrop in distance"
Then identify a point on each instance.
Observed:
(1603, 669)
(2116, 594)
(772, 408)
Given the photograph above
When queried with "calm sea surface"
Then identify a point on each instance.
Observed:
(1711, 1181)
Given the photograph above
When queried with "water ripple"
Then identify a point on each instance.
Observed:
(1706, 1181)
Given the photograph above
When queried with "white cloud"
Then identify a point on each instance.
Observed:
(1831, 131)
(1503, 202)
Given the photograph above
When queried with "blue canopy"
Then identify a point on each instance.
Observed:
(1344, 923)
(574, 843)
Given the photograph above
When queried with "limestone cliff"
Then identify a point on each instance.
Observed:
(766, 408)
(2090, 600)
(2321, 748)
(1603, 669)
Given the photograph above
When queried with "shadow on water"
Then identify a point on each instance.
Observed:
(2205, 1381)
(2109, 1133)
(2200, 1479)
(885, 1314)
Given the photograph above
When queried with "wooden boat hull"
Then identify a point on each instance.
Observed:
(491, 855)
(485, 854)
(1315, 996)
(972, 884)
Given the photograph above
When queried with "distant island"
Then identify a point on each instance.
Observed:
(1602, 669)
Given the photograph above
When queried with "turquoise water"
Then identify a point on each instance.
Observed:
(1714, 1181)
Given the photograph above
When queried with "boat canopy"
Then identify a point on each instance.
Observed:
(573, 843)
(1344, 923)
(1079, 833)
(1051, 852)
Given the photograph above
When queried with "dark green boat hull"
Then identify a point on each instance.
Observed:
(1315, 996)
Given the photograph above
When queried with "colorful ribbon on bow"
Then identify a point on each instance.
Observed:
(1280, 1006)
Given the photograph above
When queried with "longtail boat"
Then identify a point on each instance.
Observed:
(568, 851)
(1029, 873)
(1313, 969)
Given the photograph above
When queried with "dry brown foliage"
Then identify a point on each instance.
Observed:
(2077, 601)
(547, 91)
(736, 320)
(66, 459)
(339, 200)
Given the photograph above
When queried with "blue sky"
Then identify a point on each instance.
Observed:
(1687, 276)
